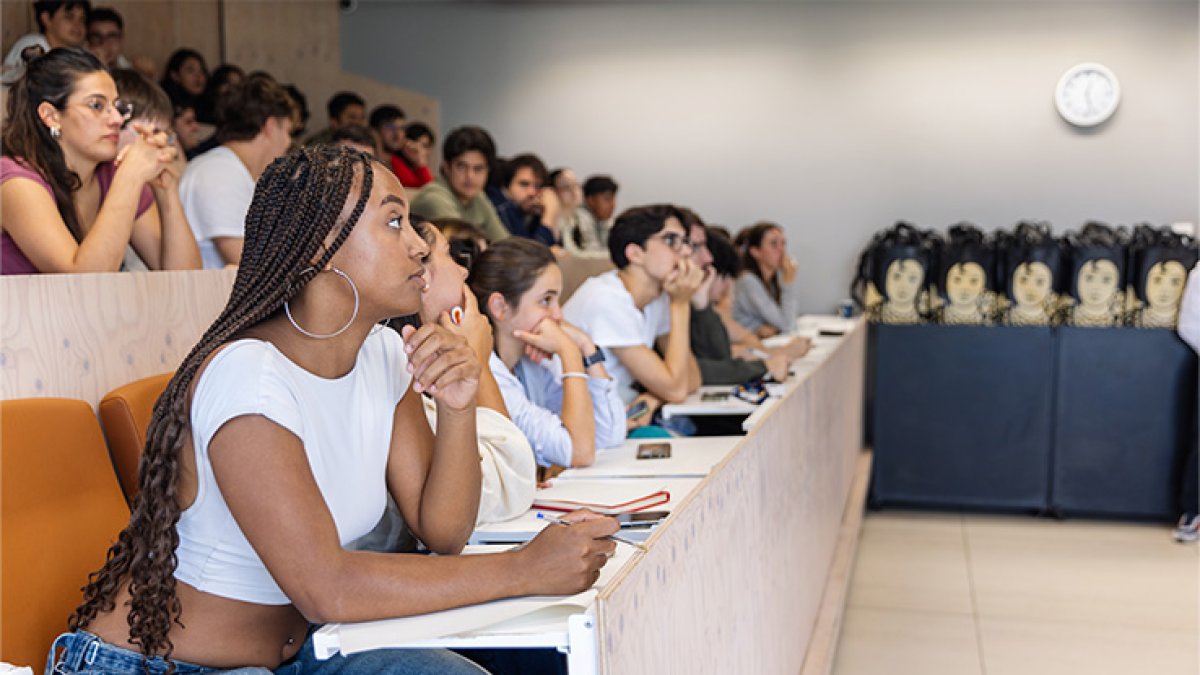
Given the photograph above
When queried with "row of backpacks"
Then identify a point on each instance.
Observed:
(1098, 275)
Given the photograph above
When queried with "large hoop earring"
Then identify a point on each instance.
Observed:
(354, 315)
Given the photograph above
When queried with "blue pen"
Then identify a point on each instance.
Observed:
(615, 537)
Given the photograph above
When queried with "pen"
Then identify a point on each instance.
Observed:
(615, 537)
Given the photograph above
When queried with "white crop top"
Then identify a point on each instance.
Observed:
(345, 425)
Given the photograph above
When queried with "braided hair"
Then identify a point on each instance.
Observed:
(296, 206)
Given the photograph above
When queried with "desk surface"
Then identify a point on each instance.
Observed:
(690, 457)
(809, 326)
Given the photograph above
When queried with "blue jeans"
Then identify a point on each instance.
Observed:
(87, 654)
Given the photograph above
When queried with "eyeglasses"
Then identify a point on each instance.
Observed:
(674, 240)
(101, 38)
(99, 106)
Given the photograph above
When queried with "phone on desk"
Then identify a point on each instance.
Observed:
(640, 519)
(714, 396)
(654, 451)
(637, 410)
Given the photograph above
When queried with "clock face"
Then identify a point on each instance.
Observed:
(1087, 94)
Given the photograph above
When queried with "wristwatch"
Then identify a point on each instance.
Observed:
(596, 357)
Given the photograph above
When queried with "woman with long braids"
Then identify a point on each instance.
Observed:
(278, 441)
(70, 202)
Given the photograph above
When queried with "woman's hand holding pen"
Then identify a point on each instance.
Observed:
(567, 560)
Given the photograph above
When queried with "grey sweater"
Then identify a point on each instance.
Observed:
(753, 305)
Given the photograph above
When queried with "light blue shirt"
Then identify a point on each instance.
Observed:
(534, 402)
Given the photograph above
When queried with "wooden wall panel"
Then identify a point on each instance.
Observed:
(16, 19)
(81, 335)
(296, 41)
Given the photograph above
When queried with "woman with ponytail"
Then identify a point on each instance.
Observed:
(766, 299)
(70, 202)
(280, 438)
(551, 374)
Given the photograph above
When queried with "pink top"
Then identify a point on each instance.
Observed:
(12, 260)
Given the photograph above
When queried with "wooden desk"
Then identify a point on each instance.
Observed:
(734, 582)
(751, 568)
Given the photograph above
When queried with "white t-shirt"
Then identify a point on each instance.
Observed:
(14, 65)
(605, 310)
(345, 425)
(216, 191)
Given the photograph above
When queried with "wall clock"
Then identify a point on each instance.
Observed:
(1087, 94)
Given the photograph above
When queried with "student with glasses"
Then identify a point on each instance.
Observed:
(70, 202)
(644, 302)
(106, 37)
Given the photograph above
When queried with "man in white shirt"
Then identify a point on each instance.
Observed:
(61, 23)
(644, 301)
(217, 186)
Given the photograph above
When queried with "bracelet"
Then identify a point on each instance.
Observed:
(582, 376)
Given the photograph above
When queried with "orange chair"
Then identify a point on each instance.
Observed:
(125, 413)
(60, 510)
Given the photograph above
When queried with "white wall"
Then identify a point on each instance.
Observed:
(832, 119)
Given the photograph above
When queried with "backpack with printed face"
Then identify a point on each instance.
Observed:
(1097, 261)
(1159, 261)
(963, 288)
(1031, 275)
(891, 285)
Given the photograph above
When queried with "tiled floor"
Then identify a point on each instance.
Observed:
(987, 595)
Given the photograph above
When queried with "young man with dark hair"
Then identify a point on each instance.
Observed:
(411, 162)
(709, 338)
(61, 23)
(217, 186)
(106, 37)
(594, 218)
(357, 137)
(467, 154)
(519, 202)
(388, 122)
(345, 107)
(643, 302)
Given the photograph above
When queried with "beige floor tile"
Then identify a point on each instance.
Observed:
(911, 563)
(901, 522)
(889, 642)
(1022, 647)
(1084, 573)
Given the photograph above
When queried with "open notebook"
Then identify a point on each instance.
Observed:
(511, 617)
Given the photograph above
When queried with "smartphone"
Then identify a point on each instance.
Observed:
(654, 450)
(641, 519)
(714, 396)
(637, 410)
